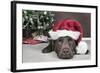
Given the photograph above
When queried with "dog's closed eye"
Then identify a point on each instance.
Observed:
(70, 39)
(60, 40)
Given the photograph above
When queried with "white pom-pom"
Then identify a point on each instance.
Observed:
(82, 47)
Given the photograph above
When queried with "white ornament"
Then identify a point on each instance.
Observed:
(47, 18)
(45, 12)
(26, 17)
(39, 27)
(41, 16)
(82, 47)
(25, 12)
(31, 19)
(47, 24)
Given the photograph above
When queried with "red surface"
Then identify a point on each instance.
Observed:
(31, 41)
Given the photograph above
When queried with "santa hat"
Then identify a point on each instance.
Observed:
(70, 28)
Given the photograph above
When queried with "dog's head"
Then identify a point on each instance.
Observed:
(65, 47)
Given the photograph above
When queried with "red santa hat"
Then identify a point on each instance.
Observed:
(70, 28)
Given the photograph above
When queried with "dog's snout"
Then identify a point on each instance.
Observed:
(65, 56)
(65, 53)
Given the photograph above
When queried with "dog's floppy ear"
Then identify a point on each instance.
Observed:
(74, 48)
(52, 43)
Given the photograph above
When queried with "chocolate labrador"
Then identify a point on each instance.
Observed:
(63, 46)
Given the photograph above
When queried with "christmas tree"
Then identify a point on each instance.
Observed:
(36, 21)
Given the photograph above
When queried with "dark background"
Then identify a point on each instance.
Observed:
(83, 18)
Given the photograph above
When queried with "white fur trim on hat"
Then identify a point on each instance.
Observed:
(62, 33)
(82, 47)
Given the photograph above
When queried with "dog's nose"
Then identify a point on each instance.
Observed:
(65, 50)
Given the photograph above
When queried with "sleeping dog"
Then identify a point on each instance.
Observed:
(66, 40)
(63, 46)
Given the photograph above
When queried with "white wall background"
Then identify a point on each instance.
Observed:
(5, 36)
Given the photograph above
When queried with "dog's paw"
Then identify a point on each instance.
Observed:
(46, 50)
